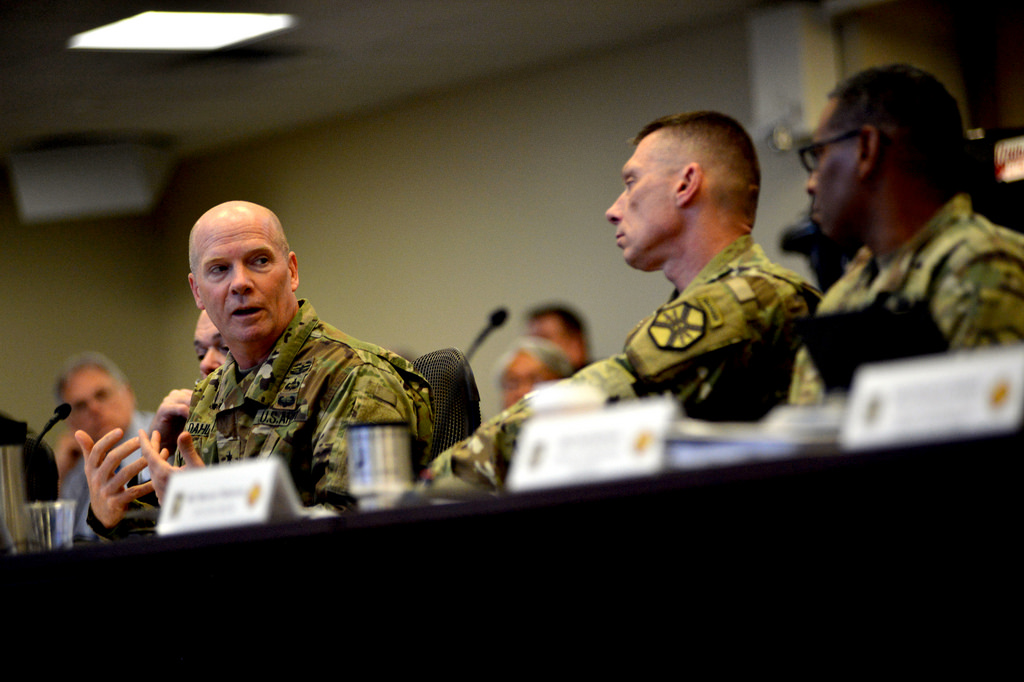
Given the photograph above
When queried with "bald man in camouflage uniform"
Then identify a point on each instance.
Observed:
(290, 384)
(885, 175)
(724, 345)
(315, 381)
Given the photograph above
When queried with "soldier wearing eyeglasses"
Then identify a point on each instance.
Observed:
(887, 177)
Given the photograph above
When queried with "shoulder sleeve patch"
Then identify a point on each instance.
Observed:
(678, 326)
(680, 333)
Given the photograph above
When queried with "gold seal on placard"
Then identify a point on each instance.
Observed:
(873, 409)
(643, 441)
(999, 394)
(254, 493)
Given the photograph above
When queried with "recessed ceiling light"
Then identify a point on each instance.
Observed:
(192, 31)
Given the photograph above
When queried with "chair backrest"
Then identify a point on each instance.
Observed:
(456, 400)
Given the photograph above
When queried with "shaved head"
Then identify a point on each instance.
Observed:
(238, 212)
(244, 276)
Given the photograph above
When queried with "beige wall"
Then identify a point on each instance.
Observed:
(410, 225)
(413, 224)
(97, 285)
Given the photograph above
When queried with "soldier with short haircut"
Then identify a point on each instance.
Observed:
(563, 326)
(289, 387)
(724, 344)
(887, 174)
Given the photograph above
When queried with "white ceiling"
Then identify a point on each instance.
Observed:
(345, 56)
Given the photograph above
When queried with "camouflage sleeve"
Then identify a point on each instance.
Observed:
(975, 294)
(981, 302)
(367, 395)
(482, 460)
(807, 386)
(140, 519)
(725, 350)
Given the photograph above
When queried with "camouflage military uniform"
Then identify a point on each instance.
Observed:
(970, 272)
(297, 403)
(724, 347)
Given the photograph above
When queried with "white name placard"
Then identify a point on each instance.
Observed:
(934, 398)
(619, 441)
(247, 492)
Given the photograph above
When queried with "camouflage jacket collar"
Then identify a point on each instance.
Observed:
(739, 253)
(263, 382)
(893, 270)
(955, 210)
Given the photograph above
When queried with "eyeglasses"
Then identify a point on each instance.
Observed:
(811, 154)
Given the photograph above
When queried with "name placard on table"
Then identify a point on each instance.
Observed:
(619, 441)
(958, 395)
(248, 492)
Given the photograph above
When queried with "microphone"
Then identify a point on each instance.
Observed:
(59, 414)
(497, 319)
(41, 465)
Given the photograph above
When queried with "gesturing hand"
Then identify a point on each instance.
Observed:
(160, 469)
(108, 496)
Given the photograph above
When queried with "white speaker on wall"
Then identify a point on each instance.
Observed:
(79, 181)
(793, 66)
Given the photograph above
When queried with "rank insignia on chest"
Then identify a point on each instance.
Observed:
(678, 326)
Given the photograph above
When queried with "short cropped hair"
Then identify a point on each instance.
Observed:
(90, 359)
(724, 139)
(908, 102)
(569, 317)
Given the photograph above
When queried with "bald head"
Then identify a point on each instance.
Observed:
(237, 213)
(244, 276)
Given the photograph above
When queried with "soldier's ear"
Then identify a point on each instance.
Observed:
(690, 179)
(293, 270)
(195, 291)
(871, 148)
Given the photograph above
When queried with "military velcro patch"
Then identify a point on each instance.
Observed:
(301, 368)
(199, 429)
(715, 318)
(288, 394)
(678, 326)
(270, 417)
(386, 395)
(741, 288)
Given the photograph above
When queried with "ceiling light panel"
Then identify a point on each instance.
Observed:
(181, 31)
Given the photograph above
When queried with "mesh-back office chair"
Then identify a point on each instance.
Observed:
(456, 400)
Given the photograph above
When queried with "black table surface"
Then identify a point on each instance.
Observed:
(929, 531)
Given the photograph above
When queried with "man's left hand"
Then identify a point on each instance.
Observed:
(156, 457)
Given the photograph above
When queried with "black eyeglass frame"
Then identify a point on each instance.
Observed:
(810, 155)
